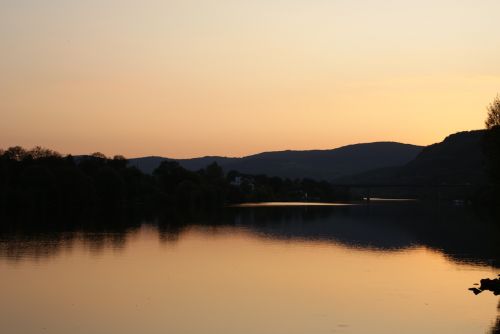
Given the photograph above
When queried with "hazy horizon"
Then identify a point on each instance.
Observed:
(223, 155)
(193, 78)
(267, 151)
(236, 156)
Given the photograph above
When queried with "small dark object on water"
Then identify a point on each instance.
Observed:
(492, 285)
(475, 290)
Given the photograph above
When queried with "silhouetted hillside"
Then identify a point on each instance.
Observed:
(314, 164)
(147, 164)
(42, 183)
(458, 159)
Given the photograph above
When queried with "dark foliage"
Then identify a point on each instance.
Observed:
(262, 188)
(43, 183)
(456, 168)
(493, 119)
(458, 159)
(491, 149)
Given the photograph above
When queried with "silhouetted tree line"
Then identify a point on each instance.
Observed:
(491, 149)
(262, 188)
(44, 183)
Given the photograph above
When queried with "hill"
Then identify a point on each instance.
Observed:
(315, 164)
(458, 159)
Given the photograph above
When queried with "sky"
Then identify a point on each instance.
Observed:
(186, 78)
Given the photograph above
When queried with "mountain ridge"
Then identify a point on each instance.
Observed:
(324, 164)
(456, 159)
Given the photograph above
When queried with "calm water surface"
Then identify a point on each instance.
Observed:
(379, 269)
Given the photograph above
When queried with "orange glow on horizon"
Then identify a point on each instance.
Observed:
(192, 78)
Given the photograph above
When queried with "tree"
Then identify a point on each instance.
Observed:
(15, 153)
(118, 162)
(493, 119)
(98, 155)
(491, 148)
(214, 172)
(39, 152)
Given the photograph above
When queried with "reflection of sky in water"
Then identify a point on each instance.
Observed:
(255, 272)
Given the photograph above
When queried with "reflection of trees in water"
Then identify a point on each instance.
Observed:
(169, 232)
(15, 247)
(457, 232)
(40, 242)
(496, 327)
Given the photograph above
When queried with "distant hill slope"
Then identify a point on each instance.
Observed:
(316, 164)
(458, 159)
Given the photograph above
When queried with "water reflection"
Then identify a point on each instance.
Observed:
(496, 327)
(383, 268)
(460, 233)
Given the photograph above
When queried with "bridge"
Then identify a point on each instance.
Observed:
(411, 190)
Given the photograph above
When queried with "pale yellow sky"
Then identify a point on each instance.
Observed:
(184, 78)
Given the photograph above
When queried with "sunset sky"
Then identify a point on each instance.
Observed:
(184, 78)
